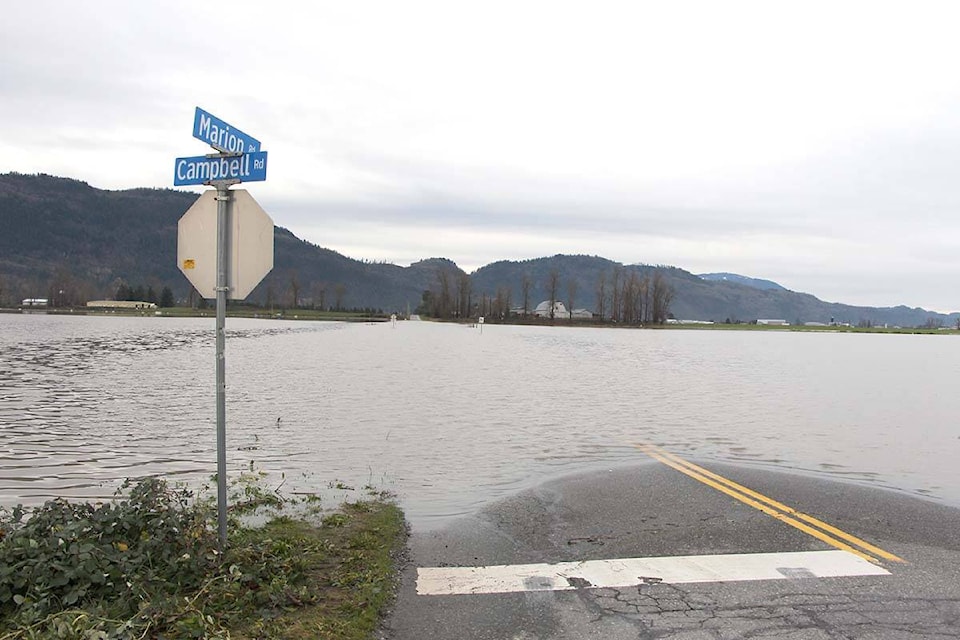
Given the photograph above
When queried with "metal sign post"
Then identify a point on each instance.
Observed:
(239, 255)
(223, 215)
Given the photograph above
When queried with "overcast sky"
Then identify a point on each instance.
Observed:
(814, 144)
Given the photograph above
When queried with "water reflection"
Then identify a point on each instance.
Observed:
(450, 418)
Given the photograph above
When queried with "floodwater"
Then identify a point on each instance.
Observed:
(451, 417)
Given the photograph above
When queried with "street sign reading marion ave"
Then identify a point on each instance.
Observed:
(222, 136)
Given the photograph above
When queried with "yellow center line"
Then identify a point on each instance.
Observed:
(863, 544)
(769, 506)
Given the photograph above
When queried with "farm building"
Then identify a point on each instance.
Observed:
(120, 304)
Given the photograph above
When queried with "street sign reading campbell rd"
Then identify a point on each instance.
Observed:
(222, 136)
(249, 167)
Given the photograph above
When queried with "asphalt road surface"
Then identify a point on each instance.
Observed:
(672, 549)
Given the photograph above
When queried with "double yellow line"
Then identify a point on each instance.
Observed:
(808, 524)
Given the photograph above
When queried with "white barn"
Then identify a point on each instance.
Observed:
(543, 310)
(561, 312)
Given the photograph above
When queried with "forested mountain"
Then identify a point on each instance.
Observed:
(65, 240)
(61, 234)
(756, 283)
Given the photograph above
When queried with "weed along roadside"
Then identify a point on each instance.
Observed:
(146, 565)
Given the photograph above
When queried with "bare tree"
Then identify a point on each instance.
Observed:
(571, 295)
(615, 293)
(502, 303)
(295, 289)
(525, 285)
(319, 295)
(661, 297)
(63, 289)
(553, 283)
(269, 302)
(444, 300)
(628, 298)
(601, 294)
(339, 291)
(464, 290)
(645, 313)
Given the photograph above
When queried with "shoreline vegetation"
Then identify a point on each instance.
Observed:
(716, 326)
(354, 316)
(147, 565)
(209, 312)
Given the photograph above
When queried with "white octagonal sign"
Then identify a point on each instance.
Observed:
(249, 242)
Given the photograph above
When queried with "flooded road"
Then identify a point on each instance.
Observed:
(451, 419)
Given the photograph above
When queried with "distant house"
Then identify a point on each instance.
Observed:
(543, 310)
(560, 311)
(775, 323)
(120, 304)
(34, 302)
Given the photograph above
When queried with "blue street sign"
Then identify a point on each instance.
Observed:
(249, 167)
(221, 136)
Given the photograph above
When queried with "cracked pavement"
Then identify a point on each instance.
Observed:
(648, 510)
(668, 611)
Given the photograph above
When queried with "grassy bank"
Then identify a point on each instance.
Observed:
(812, 329)
(233, 311)
(717, 326)
(148, 566)
(238, 311)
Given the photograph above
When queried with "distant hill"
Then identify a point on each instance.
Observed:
(584, 271)
(695, 298)
(64, 234)
(756, 283)
(62, 237)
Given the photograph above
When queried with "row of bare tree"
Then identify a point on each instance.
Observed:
(634, 299)
(623, 296)
(451, 298)
(315, 295)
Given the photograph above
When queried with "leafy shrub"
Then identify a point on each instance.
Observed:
(147, 566)
(67, 555)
